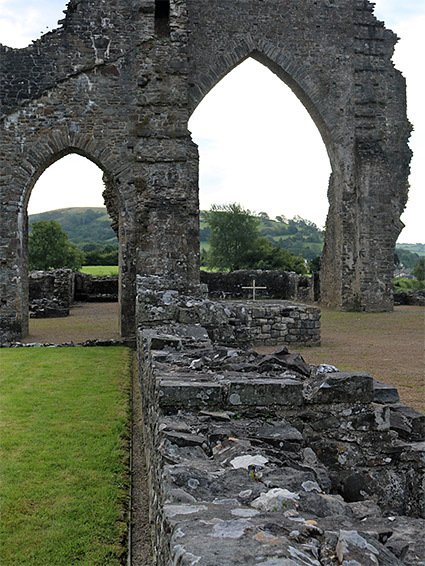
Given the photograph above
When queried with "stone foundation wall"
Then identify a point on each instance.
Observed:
(162, 302)
(266, 460)
(96, 289)
(58, 284)
(64, 286)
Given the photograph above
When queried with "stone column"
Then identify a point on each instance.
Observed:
(13, 274)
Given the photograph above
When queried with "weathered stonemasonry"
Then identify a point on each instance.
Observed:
(239, 323)
(51, 293)
(118, 82)
(265, 460)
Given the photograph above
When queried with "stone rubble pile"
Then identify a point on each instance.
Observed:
(265, 460)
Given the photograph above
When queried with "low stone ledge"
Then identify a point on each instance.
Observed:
(275, 484)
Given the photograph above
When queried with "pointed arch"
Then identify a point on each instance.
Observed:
(303, 83)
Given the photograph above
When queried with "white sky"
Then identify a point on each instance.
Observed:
(258, 146)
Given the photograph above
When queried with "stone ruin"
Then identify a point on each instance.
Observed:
(265, 460)
(53, 293)
(117, 84)
(251, 459)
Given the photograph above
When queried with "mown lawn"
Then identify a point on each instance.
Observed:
(64, 431)
(100, 270)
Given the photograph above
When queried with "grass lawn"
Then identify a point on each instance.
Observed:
(100, 270)
(64, 474)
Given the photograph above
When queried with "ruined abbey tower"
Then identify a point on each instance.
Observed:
(118, 82)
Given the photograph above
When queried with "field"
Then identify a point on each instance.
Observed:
(64, 456)
(100, 270)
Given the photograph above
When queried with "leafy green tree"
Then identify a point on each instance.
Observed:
(314, 264)
(234, 231)
(419, 269)
(265, 255)
(49, 247)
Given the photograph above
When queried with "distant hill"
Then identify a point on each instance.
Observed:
(86, 227)
(414, 248)
(90, 227)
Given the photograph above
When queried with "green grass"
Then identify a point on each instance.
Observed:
(64, 456)
(100, 270)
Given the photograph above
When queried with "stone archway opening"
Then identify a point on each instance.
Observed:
(260, 147)
(73, 191)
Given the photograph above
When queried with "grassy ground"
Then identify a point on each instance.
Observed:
(100, 270)
(64, 456)
(86, 321)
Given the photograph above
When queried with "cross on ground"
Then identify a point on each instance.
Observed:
(253, 288)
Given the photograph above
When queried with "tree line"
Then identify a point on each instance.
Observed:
(236, 238)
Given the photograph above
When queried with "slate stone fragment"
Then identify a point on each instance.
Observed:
(384, 393)
(341, 387)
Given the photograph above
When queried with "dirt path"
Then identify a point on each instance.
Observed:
(390, 346)
(86, 321)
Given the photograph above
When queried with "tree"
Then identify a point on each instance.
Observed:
(265, 255)
(314, 264)
(49, 247)
(419, 269)
(234, 231)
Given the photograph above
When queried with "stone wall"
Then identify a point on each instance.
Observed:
(266, 460)
(281, 285)
(51, 293)
(91, 289)
(118, 82)
(241, 323)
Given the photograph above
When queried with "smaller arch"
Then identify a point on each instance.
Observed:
(36, 158)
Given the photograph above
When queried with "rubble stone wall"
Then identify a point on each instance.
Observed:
(89, 288)
(266, 460)
(117, 84)
(242, 323)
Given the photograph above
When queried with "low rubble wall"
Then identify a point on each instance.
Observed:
(416, 298)
(281, 285)
(239, 323)
(52, 293)
(91, 289)
(266, 460)
(263, 459)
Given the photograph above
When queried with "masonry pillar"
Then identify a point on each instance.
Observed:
(13, 275)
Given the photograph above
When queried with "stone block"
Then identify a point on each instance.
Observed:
(264, 392)
(341, 387)
(384, 393)
(175, 394)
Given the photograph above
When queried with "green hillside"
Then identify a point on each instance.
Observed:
(297, 235)
(90, 228)
(413, 248)
(86, 227)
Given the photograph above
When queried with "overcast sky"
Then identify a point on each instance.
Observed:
(258, 145)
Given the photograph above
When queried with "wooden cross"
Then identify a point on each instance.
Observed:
(253, 288)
